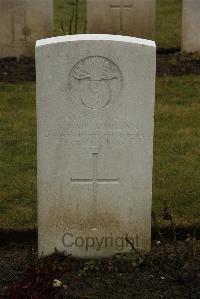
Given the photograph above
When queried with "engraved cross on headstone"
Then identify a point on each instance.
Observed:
(95, 180)
(121, 6)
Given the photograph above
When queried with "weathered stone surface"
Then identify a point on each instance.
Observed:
(125, 17)
(191, 26)
(95, 107)
(22, 22)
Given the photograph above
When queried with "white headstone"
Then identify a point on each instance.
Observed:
(126, 17)
(22, 22)
(191, 26)
(95, 107)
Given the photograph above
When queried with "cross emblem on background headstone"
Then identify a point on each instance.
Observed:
(121, 6)
(95, 181)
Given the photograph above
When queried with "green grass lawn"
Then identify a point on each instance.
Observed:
(168, 23)
(168, 20)
(176, 146)
(18, 156)
(176, 151)
(64, 12)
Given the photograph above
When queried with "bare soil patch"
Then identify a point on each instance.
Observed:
(159, 274)
(13, 70)
(177, 64)
(168, 63)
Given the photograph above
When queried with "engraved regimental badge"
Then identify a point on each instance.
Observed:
(95, 82)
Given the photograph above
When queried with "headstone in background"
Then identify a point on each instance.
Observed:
(22, 22)
(191, 26)
(124, 17)
(95, 107)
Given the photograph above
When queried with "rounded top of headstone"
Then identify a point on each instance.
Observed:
(95, 37)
